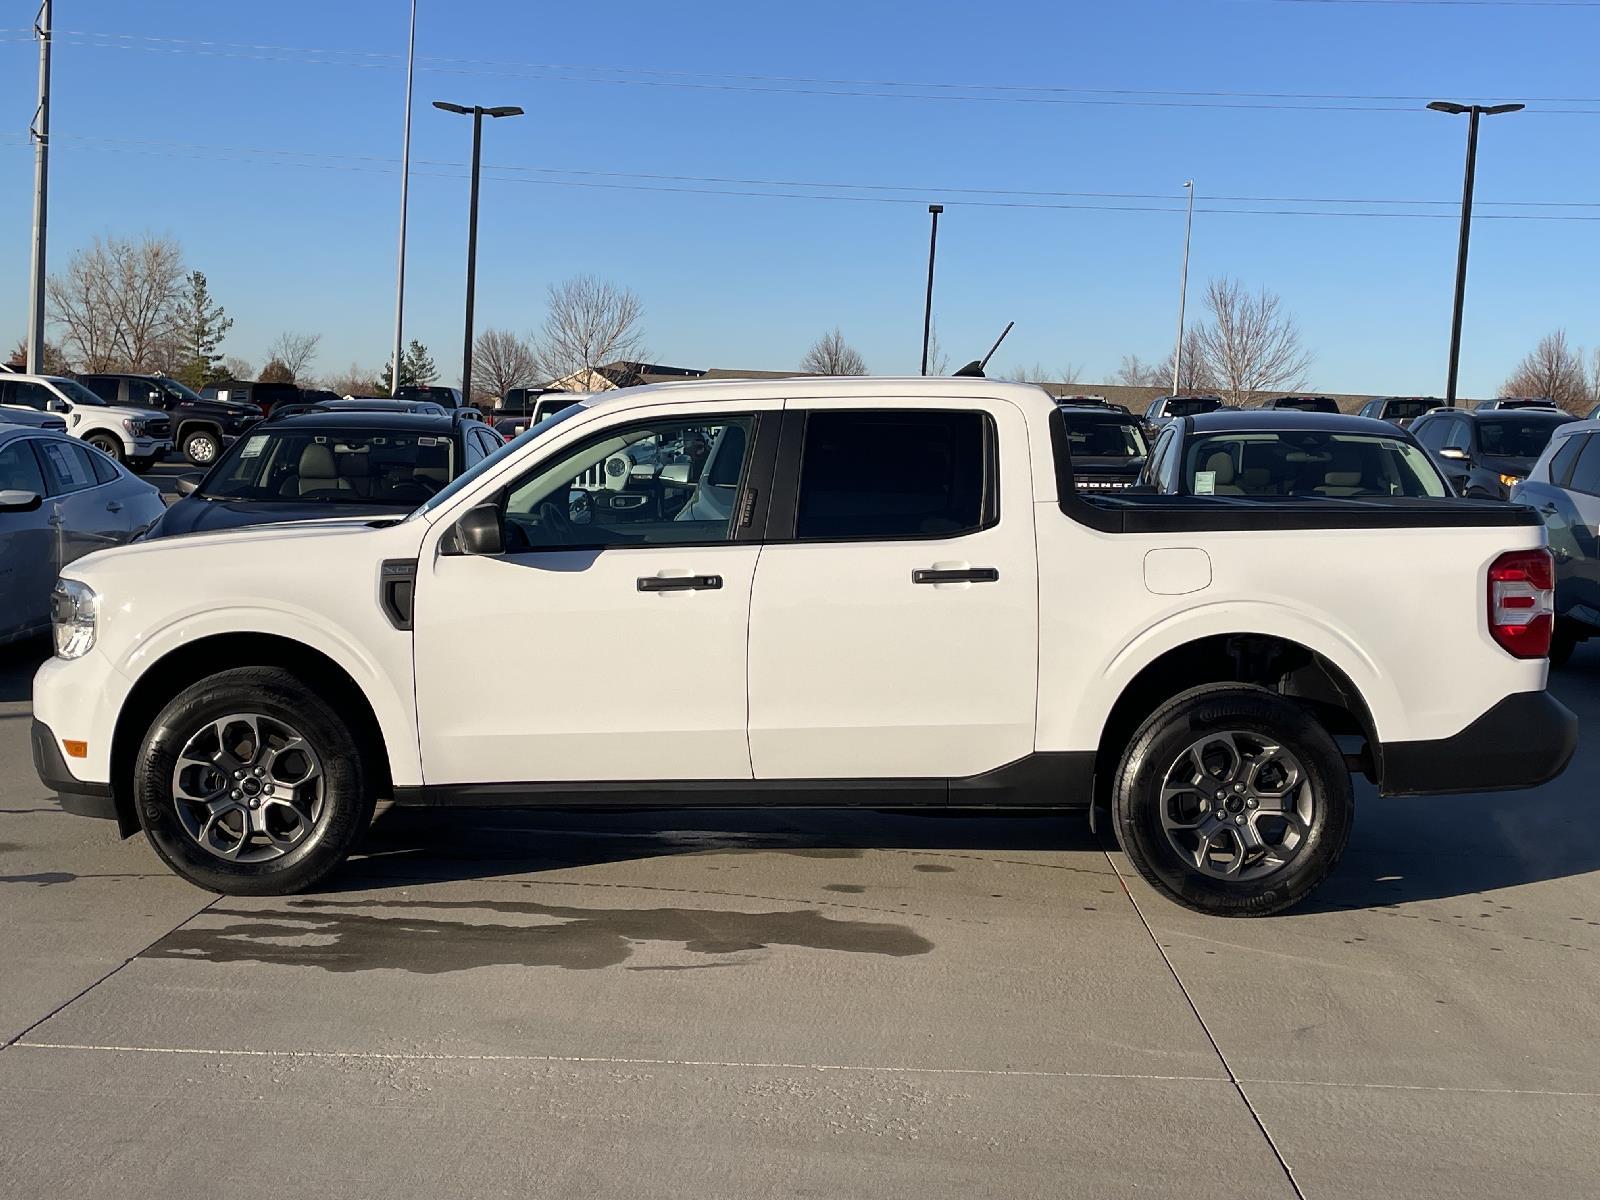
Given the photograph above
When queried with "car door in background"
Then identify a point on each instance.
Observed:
(1578, 571)
(28, 563)
(86, 515)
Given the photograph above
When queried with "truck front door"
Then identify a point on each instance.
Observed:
(894, 621)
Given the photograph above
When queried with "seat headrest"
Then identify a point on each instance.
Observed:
(1220, 464)
(316, 460)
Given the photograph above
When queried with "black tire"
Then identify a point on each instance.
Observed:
(347, 798)
(1156, 750)
(1562, 643)
(201, 447)
(107, 443)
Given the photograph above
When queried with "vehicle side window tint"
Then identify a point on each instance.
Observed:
(104, 469)
(19, 468)
(1430, 433)
(893, 474)
(1158, 458)
(472, 449)
(69, 465)
(31, 395)
(1561, 461)
(1586, 471)
(106, 389)
(640, 485)
(1460, 435)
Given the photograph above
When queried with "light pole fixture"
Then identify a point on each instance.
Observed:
(1473, 112)
(927, 305)
(1183, 289)
(477, 112)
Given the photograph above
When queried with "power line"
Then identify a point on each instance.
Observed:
(793, 84)
(667, 184)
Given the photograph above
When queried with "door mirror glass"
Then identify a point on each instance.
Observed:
(1454, 452)
(579, 508)
(188, 485)
(479, 531)
(59, 406)
(15, 500)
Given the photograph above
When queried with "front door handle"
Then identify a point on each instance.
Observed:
(957, 575)
(679, 583)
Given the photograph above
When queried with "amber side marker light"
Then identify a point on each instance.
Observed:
(75, 749)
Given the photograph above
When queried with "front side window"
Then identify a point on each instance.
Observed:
(1459, 436)
(31, 395)
(357, 466)
(19, 469)
(1310, 463)
(77, 393)
(667, 482)
(104, 386)
(886, 475)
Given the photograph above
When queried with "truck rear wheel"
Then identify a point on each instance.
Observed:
(249, 784)
(1233, 801)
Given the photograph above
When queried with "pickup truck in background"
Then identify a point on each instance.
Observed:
(871, 592)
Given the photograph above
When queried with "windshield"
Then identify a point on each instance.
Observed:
(1309, 463)
(462, 481)
(1408, 410)
(1515, 437)
(77, 393)
(182, 391)
(1191, 406)
(358, 466)
(1098, 437)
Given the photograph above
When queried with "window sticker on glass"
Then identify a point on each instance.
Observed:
(427, 441)
(252, 446)
(1205, 483)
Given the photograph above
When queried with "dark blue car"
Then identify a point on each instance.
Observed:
(1564, 487)
(327, 464)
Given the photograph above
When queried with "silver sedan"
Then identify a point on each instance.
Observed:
(59, 500)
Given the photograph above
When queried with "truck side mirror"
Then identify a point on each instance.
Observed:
(479, 531)
(1454, 452)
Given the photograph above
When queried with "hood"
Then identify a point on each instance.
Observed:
(119, 411)
(32, 419)
(193, 514)
(232, 408)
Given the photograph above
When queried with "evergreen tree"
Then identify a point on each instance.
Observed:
(417, 368)
(202, 324)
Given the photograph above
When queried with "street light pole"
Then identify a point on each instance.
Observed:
(927, 305)
(1473, 112)
(477, 112)
(41, 182)
(405, 183)
(1183, 289)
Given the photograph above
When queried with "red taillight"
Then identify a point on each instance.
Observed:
(1522, 602)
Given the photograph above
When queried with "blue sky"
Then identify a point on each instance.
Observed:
(161, 118)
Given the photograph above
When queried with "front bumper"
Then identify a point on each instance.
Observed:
(1525, 740)
(150, 447)
(76, 796)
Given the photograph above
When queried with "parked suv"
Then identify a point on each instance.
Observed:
(1164, 408)
(1564, 487)
(1317, 404)
(1485, 453)
(134, 436)
(1400, 410)
(202, 428)
(447, 397)
(1503, 402)
(1106, 442)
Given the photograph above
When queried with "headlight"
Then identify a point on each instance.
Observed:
(134, 427)
(1510, 480)
(74, 612)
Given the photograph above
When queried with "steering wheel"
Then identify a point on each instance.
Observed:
(554, 522)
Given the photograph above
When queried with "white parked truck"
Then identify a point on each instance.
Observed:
(869, 592)
(135, 436)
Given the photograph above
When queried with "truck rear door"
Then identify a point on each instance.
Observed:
(894, 617)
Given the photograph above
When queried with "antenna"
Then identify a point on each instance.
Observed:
(974, 369)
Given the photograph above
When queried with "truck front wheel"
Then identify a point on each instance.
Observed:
(201, 447)
(1233, 801)
(248, 783)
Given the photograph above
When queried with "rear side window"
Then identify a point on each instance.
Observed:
(70, 467)
(101, 465)
(19, 469)
(1561, 461)
(887, 475)
(1586, 471)
(102, 386)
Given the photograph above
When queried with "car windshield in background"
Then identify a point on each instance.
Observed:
(1192, 406)
(472, 473)
(1097, 437)
(77, 393)
(1514, 437)
(1408, 410)
(1280, 463)
(181, 390)
(360, 466)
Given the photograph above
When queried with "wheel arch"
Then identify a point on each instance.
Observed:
(178, 668)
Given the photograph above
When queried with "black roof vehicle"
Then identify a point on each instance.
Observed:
(1319, 404)
(1164, 408)
(1505, 402)
(201, 428)
(329, 464)
(1106, 442)
(1287, 454)
(1486, 452)
(446, 397)
(1401, 410)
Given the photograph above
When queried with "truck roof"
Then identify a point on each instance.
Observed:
(883, 391)
(1292, 419)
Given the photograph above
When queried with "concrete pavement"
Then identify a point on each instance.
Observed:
(845, 1004)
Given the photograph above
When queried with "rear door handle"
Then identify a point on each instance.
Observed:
(960, 575)
(679, 583)
(113, 507)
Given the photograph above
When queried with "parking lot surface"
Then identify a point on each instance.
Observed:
(752, 1004)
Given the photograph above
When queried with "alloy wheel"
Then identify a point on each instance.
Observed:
(248, 788)
(1236, 805)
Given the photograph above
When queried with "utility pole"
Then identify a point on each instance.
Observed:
(927, 306)
(40, 132)
(405, 183)
(1183, 290)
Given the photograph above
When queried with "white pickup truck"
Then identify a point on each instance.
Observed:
(860, 592)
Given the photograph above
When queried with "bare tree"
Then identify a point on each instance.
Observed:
(296, 351)
(239, 368)
(118, 303)
(1554, 371)
(1060, 379)
(938, 360)
(1594, 375)
(354, 381)
(1251, 344)
(1194, 374)
(276, 371)
(830, 354)
(501, 361)
(590, 323)
(1135, 372)
(55, 362)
